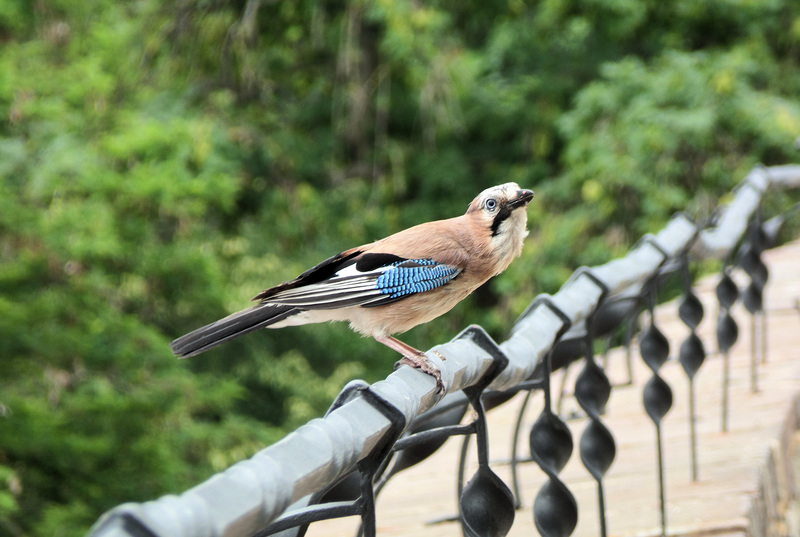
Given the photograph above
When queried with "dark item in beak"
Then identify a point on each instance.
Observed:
(523, 198)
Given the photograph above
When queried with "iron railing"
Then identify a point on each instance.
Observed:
(334, 466)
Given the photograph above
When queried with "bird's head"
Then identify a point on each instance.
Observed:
(502, 211)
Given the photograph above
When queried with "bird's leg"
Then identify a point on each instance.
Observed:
(413, 357)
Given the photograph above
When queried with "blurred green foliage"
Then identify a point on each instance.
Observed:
(162, 162)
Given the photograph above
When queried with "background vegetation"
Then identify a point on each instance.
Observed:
(162, 162)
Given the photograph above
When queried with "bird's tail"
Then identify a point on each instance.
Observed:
(230, 327)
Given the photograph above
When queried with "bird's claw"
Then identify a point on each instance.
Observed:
(423, 363)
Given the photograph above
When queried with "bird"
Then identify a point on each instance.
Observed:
(391, 285)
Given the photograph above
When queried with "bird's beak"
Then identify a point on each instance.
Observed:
(524, 197)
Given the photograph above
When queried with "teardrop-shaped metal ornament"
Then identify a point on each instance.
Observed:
(727, 292)
(487, 505)
(691, 310)
(555, 511)
(597, 449)
(692, 354)
(727, 332)
(551, 441)
(753, 298)
(657, 398)
(592, 389)
(654, 347)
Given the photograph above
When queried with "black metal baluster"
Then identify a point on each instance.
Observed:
(597, 446)
(630, 305)
(692, 353)
(562, 389)
(514, 458)
(592, 390)
(371, 467)
(555, 511)
(630, 332)
(540, 380)
(486, 503)
(753, 295)
(727, 334)
(654, 349)
(770, 230)
(486, 506)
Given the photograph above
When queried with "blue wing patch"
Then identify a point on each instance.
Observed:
(414, 276)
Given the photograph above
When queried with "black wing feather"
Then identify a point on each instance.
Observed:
(232, 326)
(315, 274)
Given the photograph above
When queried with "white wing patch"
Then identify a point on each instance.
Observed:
(348, 287)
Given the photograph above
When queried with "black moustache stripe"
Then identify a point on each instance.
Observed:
(501, 216)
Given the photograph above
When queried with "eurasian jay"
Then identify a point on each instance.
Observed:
(391, 285)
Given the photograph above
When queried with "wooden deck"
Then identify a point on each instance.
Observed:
(749, 466)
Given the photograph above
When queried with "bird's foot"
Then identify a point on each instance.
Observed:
(423, 363)
(415, 358)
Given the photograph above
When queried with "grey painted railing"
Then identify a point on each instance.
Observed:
(276, 489)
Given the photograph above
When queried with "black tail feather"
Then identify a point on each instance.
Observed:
(230, 327)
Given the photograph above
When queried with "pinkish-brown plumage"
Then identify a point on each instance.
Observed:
(391, 285)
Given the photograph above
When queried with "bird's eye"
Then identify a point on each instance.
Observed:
(491, 204)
